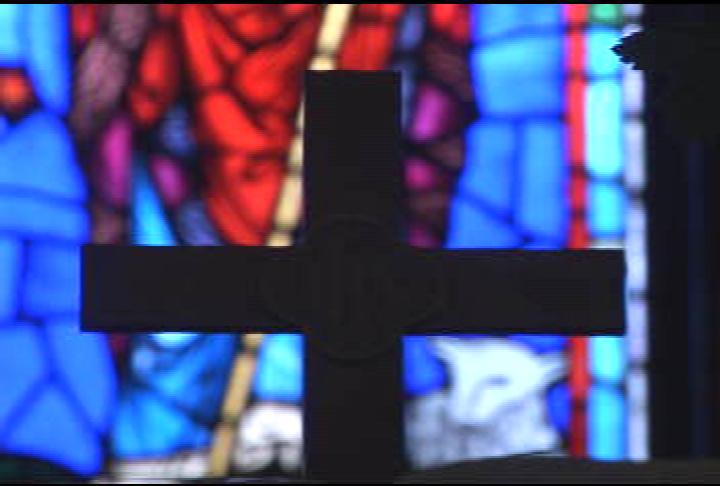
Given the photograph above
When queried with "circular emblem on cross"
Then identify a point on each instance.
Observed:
(352, 288)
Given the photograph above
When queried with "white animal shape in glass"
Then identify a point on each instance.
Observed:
(495, 403)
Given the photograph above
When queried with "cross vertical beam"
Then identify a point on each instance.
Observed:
(352, 138)
(352, 133)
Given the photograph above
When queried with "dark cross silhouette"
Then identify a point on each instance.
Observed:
(351, 286)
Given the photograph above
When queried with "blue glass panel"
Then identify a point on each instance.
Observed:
(33, 216)
(147, 425)
(53, 279)
(491, 148)
(22, 365)
(149, 224)
(10, 261)
(176, 340)
(606, 210)
(38, 155)
(11, 41)
(471, 227)
(607, 359)
(174, 394)
(48, 55)
(279, 375)
(4, 123)
(543, 206)
(606, 428)
(558, 400)
(411, 29)
(52, 430)
(520, 77)
(601, 60)
(544, 244)
(423, 371)
(193, 375)
(176, 132)
(604, 125)
(85, 365)
(493, 20)
(542, 343)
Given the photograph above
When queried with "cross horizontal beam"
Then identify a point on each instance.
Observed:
(567, 292)
(190, 288)
(216, 289)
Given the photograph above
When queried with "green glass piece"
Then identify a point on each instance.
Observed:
(606, 13)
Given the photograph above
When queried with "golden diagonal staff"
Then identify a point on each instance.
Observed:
(336, 18)
(287, 213)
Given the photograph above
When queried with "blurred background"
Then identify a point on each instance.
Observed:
(179, 125)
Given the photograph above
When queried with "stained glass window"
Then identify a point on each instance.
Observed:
(180, 125)
(545, 169)
(56, 382)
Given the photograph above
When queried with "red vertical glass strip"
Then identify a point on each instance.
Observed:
(578, 237)
(575, 54)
